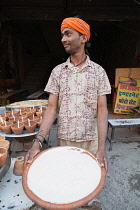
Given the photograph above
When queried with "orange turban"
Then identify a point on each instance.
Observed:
(76, 24)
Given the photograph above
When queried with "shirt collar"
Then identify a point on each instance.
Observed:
(70, 65)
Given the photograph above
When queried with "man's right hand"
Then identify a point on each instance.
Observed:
(32, 153)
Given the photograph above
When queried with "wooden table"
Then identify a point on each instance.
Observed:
(121, 123)
(14, 96)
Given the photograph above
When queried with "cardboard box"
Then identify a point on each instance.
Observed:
(126, 72)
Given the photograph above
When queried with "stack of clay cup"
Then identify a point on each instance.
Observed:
(4, 146)
(16, 121)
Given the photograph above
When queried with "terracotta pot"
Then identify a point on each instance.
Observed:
(18, 166)
(39, 122)
(2, 137)
(5, 114)
(13, 118)
(23, 118)
(3, 156)
(17, 130)
(3, 118)
(13, 112)
(4, 143)
(6, 128)
(24, 122)
(31, 112)
(40, 110)
(23, 115)
(24, 109)
(0, 126)
(34, 118)
(12, 121)
(40, 114)
(32, 126)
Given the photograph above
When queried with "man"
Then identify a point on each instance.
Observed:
(78, 91)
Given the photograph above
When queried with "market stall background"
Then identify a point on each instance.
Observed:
(29, 51)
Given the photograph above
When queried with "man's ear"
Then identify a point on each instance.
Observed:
(84, 38)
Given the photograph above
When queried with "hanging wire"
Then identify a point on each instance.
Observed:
(130, 73)
(137, 2)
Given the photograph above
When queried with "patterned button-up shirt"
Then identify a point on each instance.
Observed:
(78, 90)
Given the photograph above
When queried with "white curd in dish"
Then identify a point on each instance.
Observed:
(63, 175)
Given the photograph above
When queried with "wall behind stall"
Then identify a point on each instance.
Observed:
(52, 35)
(114, 45)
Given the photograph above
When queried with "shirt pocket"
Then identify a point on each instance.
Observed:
(90, 94)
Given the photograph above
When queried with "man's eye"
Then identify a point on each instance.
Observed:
(68, 34)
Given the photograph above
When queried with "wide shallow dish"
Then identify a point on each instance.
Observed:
(27, 103)
(63, 178)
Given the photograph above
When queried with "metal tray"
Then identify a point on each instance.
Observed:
(25, 133)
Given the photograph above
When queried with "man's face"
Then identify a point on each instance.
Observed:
(71, 40)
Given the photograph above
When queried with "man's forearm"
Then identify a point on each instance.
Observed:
(47, 121)
(102, 127)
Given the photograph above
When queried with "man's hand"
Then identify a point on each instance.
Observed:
(31, 154)
(102, 159)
